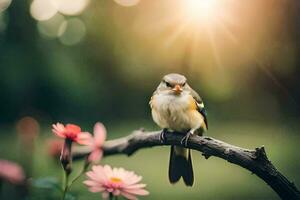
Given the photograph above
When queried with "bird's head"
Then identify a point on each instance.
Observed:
(173, 84)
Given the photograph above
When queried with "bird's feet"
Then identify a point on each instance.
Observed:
(162, 136)
(185, 139)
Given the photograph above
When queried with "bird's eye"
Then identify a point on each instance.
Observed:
(168, 84)
(183, 84)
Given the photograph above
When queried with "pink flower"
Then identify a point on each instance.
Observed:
(71, 132)
(11, 172)
(96, 142)
(116, 181)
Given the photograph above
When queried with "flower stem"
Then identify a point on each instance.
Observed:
(79, 175)
(1, 184)
(111, 196)
(66, 156)
(66, 163)
(65, 185)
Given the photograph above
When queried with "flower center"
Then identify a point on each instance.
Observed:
(115, 180)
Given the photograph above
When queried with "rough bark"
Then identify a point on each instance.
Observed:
(256, 161)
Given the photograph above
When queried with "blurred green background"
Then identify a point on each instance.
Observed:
(83, 61)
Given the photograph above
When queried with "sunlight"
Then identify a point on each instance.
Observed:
(200, 10)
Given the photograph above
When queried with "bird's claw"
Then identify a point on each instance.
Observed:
(162, 136)
(185, 139)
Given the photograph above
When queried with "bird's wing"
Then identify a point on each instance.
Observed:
(200, 106)
(152, 99)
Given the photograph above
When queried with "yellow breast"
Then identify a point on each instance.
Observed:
(178, 113)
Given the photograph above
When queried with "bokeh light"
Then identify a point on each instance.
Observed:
(72, 31)
(45, 9)
(50, 28)
(28, 127)
(52, 23)
(127, 3)
(4, 4)
(42, 9)
(71, 7)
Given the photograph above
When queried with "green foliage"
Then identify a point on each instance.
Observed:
(46, 188)
(49, 188)
(70, 197)
(46, 183)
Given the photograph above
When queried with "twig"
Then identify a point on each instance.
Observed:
(255, 161)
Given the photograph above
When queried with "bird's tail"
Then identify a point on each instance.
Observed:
(181, 165)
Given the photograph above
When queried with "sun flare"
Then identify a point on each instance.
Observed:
(200, 10)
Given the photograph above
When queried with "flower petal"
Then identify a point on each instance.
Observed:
(59, 134)
(95, 177)
(117, 181)
(99, 134)
(73, 128)
(136, 186)
(107, 170)
(92, 183)
(59, 127)
(137, 192)
(84, 138)
(59, 130)
(96, 155)
(133, 179)
(128, 196)
(96, 189)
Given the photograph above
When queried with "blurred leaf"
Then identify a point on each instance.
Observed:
(70, 197)
(46, 183)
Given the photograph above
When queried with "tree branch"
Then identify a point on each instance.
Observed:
(255, 161)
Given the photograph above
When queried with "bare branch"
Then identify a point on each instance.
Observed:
(256, 161)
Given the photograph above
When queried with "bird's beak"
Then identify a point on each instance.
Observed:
(177, 89)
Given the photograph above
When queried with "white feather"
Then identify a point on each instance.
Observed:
(174, 112)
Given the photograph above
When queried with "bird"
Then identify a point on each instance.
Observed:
(175, 106)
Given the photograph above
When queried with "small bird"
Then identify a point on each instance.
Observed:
(177, 107)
